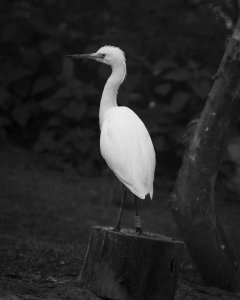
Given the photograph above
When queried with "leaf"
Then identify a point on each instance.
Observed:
(80, 139)
(159, 143)
(8, 32)
(95, 151)
(176, 133)
(93, 111)
(90, 90)
(3, 134)
(178, 102)
(46, 141)
(86, 133)
(22, 88)
(86, 167)
(53, 122)
(49, 46)
(202, 87)
(135, 97)
(52, 104)
(5, 98)
(75, 110)
(178, 75)
(64, 92)
(163, 89)
(193, 64)
(23, 112)
(42, 84)
(154, 116)
(206, 74)
(31, 57)
(16, 73)
(132, 82)
(123, 98)
(83, 145)
(103, 71)
(4, 122)
(162, 65)
(67, 68)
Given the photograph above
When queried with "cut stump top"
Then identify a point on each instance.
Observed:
(132, 233)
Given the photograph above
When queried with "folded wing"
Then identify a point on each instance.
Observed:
(126, 146)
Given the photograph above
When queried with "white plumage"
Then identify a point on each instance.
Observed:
(125, 143)
(127, 148)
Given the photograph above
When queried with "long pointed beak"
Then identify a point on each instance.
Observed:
(90, 55)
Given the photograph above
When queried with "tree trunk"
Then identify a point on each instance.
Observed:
(128, 266)
(192, 202)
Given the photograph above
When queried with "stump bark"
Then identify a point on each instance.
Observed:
(127, 266)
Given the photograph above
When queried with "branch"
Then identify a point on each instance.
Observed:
(192, 201)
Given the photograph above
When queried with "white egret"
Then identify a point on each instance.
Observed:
(125, 143)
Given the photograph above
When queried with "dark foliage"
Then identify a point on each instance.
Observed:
(172, 50)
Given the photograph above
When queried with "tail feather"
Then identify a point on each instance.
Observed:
(148, 197)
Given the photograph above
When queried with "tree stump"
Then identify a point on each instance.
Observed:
(125, 265)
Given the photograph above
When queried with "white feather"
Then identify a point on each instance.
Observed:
(125, 143)
(126, 146)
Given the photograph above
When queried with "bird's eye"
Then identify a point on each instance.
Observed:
(103, 55)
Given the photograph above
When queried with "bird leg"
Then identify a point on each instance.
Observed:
(117, 227)
(138, 223)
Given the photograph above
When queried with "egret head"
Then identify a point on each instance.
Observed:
(109, 55)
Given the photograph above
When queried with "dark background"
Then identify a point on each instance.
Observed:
(54, 183)
(50, 103)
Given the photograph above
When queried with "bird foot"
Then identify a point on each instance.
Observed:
(138, 224)
(139, 230)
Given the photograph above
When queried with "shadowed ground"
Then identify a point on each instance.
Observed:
(45, 217)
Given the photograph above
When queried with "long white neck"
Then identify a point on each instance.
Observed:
(109, 95)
